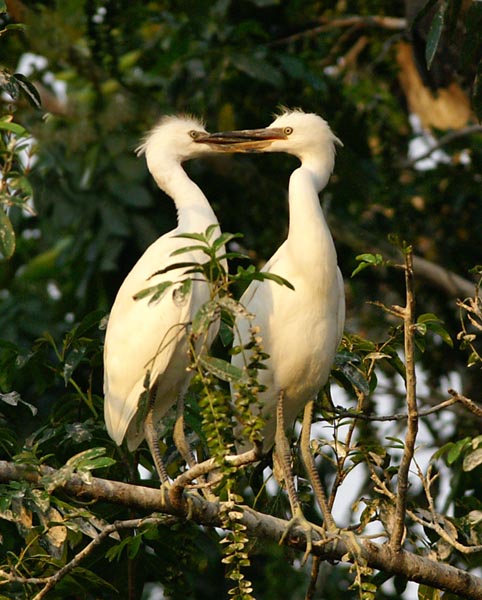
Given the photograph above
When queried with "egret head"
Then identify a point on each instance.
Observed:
(176, 138)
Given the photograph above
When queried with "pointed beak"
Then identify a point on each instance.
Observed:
(245, 140)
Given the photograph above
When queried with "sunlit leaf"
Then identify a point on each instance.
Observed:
(367, 260)
(204, 317)
(7, 235)
(472, 460)
(156, 291)
(221, 368)
(456, 449)
(15, 128)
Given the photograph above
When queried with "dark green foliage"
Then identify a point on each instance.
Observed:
(95, 209)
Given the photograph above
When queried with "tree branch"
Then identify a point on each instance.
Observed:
(355, 21)
(259, 525)
(52, 581)
(443, 141)
(412, 422)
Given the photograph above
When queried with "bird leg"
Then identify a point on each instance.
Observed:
(311, 471)
(181, 443)
(179, 434)
(283, 453)
(152, 438)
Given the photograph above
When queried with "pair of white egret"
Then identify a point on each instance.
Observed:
(300, 329)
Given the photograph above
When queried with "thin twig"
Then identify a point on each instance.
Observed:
(52, 581)
(315, 570)
(390, 23)
(444, 141)
(412, 422)
(469, 404)
(342, 413)
(208, 466)
(434, 523)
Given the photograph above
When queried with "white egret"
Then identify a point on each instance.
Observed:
(300, 329)
(146, 342)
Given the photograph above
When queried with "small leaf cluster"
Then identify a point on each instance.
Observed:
(16, 193)
(235, 552)
(246, 389)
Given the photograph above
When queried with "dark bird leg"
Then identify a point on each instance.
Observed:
(311, 471)
(152, 438)
(283, 454)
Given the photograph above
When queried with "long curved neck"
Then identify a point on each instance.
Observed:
(194, 213)
(309, 239)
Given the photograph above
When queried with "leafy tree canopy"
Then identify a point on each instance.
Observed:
(400, 85)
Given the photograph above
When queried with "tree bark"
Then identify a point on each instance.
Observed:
(378, 556)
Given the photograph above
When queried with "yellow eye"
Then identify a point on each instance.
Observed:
(194, 134)
(288, 130)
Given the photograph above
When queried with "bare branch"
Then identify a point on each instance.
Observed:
(443, 141)
(412, 423)
(398, 416)
(356, 21)
(469, 404)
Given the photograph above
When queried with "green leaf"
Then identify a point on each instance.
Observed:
(224, 239)
(456, 450)
(196, 248)
(367, 260)
(181, 293)
(200, 237)
(221, 368)
(262, 275)
(14, 399)
(72, 362)
(434, 34)
(15, 128)
(174, 266)
(89, 460)
(251, 274)
(257, 68)
(156, 291)
(45, 264)
(205, 315)
(29, 90)
(355, 377)
(430, 322)
(7, 235)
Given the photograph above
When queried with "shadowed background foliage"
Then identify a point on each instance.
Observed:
(105, 71)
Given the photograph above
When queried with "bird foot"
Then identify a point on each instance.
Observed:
(299, 520)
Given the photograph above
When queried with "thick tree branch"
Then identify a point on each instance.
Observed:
(413, 567)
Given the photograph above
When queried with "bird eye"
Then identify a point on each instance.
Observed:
(194, 134)
(288, 130)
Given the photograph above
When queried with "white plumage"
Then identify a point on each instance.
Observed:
(300, 329)
(143, 336)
